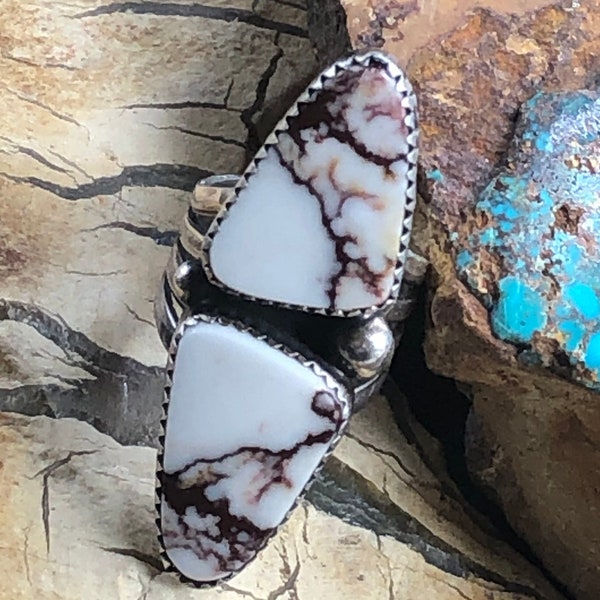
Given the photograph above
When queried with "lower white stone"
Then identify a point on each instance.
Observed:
(247, 426)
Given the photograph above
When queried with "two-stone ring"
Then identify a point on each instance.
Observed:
(280, 308)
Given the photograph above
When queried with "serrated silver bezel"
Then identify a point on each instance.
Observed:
(409, 101)
(329, 380)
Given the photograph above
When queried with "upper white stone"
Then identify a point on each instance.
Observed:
(320, 220)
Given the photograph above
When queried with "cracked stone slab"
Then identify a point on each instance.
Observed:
(77, 521)
(127, 106)
(28, 358)
(532, 438)
(47, 367)
(112, 113)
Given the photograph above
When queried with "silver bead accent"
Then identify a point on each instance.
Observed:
(181, 278)
(369, 347)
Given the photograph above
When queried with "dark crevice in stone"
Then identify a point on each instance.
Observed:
(254, 139)
(200, 134)
(36, 156)
(443, 411)
(207, 136)
(147, 559)
(160, 237)
(327, 30)
(217, 13)
(373, 448)
(122, 397)
(179, 177)
(344, 493)
(177, 106)
(46, 473)
(297, 5)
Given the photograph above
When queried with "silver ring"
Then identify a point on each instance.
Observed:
(281, 307)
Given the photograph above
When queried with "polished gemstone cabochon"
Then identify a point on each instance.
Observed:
(247, 425)
(323, 215)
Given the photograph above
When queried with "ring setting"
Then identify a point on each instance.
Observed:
(280, 311)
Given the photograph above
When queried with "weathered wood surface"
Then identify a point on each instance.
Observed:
(532, 438)
(111, 112)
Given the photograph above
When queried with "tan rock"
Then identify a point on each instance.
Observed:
(77, 522)
(111, 114)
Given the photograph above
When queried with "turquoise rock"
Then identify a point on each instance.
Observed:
(532, 252)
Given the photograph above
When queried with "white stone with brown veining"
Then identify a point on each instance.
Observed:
(319, 222)
(247, 426)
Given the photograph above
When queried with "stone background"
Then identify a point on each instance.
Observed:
(111, 113)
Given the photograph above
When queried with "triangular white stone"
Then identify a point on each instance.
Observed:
(318, 224)
(240, 447)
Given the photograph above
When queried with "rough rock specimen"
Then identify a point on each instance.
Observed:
(533, 437)
(531, 256)
(406, 27)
